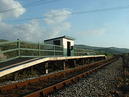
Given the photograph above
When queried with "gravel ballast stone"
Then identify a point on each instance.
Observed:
(98, 84)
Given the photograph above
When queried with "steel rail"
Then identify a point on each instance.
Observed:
(46, 91)
(54, 77)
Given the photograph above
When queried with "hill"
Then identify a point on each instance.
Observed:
(3, 40)
(111, 50)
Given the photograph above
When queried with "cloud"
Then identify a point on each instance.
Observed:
(56, 21)
(100, 31)
(56, 16)
(31, 31)
(34, 30)
(57, 30)
(10, 8)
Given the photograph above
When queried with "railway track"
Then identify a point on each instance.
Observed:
(42, 86)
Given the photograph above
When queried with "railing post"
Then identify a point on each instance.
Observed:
(54, 50)
(62, 49)
(38, 49)
(18, 47)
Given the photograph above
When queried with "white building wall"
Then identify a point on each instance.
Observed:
(65, 42)
(65, 45)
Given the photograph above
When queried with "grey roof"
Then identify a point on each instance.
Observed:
(67, 37)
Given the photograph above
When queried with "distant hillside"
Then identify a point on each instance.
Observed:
(3, 40)
(112, 50)
(87, 47)
(121, 50)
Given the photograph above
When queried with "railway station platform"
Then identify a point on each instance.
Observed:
(23, 63)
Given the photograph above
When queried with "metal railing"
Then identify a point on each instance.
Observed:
(16, 49)
(82, 52)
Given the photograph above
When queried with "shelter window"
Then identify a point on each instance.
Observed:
(56, 42)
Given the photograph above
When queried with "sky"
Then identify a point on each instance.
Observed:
(37, 20)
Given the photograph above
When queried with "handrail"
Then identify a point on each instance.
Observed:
(3, 43)
(36, 49)
(42, 44)
(10, 50)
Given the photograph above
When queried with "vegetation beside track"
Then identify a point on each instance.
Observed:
(122, 87)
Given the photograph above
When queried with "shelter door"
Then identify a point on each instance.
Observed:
(68, 49)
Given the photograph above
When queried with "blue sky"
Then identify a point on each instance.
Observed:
(107, 28)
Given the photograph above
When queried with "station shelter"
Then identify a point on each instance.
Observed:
(65, 41)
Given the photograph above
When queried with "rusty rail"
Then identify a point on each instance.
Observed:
(50, 89)
(35, 85)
